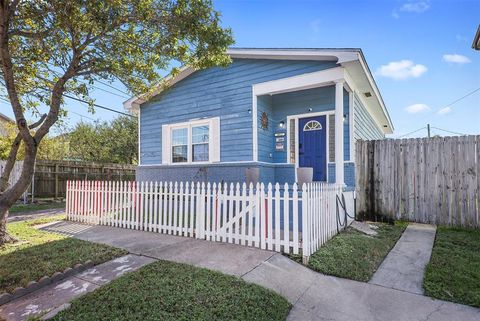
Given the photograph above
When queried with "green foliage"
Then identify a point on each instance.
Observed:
(130, 40)
(453, 273)
(354, 255)
(39, 253)
(50, 148)
(114, 142)
(171, 291)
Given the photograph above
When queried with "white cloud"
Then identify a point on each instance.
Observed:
(444, 111)
(456, 58)
(411, 6)
(415, 6)
(417, 108)
(400, 70)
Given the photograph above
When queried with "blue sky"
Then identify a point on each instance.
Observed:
(419, 51)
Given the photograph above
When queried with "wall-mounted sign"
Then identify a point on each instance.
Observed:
(279, 146)
(264, 121)
(279, 139)
(279, 134)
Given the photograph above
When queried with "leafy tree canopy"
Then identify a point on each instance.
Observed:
(114, 142)
(50, 48)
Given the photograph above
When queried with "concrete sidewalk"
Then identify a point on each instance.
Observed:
(314, 296)
(57, 295)
(23, 216)
(404, 267)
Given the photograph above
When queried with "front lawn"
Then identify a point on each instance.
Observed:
(171, 291)
(453, 273)
(354, 255)
(39, 253)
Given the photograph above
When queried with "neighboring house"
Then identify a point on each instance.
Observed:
(270, 112)
(4, 122)
(476, 40)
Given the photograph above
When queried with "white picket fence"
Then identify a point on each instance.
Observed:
(279, 218)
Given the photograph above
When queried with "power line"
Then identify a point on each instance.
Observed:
(86, 102)
(98, 106)
(449, 131)
(463, 97)
(83, 116)
(408, 134)
(108, 85)
(110, 92)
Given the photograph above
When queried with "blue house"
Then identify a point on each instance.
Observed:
(269, 114)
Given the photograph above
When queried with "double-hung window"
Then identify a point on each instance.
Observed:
(180, 145)
(196, 141)
(200, 141)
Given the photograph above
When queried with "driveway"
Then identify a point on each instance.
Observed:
(314, 296)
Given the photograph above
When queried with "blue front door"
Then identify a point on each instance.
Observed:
(312, 145)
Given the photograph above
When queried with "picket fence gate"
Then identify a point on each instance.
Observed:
(279, 218)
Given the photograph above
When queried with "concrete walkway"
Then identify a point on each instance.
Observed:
(404, 267)
(57, 295)
(314, 296)
(23, 216)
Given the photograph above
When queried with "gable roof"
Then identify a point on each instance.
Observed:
(352, 59)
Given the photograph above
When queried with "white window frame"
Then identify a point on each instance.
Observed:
(189, 125)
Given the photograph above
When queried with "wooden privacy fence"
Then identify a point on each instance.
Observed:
(50, 177)
(15, 174)
(278, 218)
(428, 180)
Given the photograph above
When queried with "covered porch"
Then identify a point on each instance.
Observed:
(306, 121)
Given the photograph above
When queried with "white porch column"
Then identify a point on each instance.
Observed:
(339, 160)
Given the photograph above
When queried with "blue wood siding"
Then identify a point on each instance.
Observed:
(279, 107)
(224, 92)
(364, 126)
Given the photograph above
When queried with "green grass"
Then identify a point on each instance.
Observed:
(25, 208)
(39, 253)
(453, 273)
(354, 255)
(172, 291)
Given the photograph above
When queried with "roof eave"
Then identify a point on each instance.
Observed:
(476, 40)
(338, 55)
(379, 97)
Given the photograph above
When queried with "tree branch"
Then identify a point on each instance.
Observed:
(12, 156)
(32, 35)
(7, 68)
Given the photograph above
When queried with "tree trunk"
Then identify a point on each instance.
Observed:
(13, 193)
(4, 236)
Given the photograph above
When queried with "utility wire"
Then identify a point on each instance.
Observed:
(463, 97)
(83, 116)
(407, 134)
(86, 102)
(110, 92)
(98, 106)
(449, 131)
(108, 85)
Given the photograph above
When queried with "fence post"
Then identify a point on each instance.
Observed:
(68, 200)
(199, 199)
(305, 224)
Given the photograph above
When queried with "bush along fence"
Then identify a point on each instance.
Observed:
(428, 180)
(279, 218)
